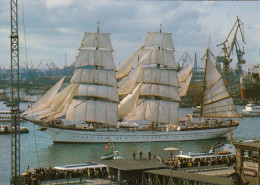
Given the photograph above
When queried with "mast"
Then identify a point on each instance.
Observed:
(158, 100)
(203, 84)
(96, 97)
(216, 101)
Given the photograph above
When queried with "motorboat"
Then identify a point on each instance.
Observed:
(251, 110)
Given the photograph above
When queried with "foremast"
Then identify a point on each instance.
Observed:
(96, 98)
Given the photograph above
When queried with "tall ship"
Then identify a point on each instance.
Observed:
(250, 84)
(104, 103)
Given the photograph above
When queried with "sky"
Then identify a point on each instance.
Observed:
(55, 27)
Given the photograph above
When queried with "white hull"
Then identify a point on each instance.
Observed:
(251, 114)
(251, 110)
(77, 136)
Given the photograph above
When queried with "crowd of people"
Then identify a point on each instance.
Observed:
(44, 174)
(184, 163)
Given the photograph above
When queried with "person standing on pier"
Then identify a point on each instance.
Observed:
(150, 155)
(141, 155)
(134, 154)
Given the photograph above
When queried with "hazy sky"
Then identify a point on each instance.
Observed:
(54, 27)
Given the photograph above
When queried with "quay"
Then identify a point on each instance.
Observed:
(127, 172)
(153, 172)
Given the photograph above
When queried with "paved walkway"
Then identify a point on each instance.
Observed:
(221, 172)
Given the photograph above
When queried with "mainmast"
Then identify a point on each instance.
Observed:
(203, 84)
(158, 100)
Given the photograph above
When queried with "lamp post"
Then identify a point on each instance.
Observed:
(171, 150)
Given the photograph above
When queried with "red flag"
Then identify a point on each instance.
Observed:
(195, 102)
(106, 147)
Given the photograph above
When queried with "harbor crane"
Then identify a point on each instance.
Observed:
(185, 59)
(227, 48)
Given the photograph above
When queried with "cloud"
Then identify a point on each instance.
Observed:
(54, 27)
(57, 3)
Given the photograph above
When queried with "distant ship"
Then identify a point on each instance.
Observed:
(150, 92)
(250, 83)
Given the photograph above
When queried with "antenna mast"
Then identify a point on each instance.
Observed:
(15, 87)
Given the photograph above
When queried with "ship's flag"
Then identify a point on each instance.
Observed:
(106, 147)
(195, 101)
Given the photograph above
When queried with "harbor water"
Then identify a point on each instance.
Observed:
(38, 150)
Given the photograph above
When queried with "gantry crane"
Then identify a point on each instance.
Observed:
(225, 55)
(185, 59)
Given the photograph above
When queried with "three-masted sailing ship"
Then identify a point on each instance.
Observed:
(93, 102)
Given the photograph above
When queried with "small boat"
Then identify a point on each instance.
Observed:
(43, 128)
(113, 155)
(251, 110)
(110, 154)
(196, 109)
(6, 129)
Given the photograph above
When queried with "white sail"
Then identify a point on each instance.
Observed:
(96, 40)
(95, 58)
(96, 98)
(222, 108)
(159, 93)
(216, 92)
(127, 84)
(163, 91)
(123, 69)
(159, 76)
(94, 76)
(184, 76)
(184, 86)
(46, 100)
(129, 102)
(92, 111)
(59, 102)
(157, 111)
(164, 57)
(159, 40)
(212, 74)
(216, 100)
(99, 91)
(63, 107)
(185, 72)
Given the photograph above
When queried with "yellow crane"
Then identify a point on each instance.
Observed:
(227, 48)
